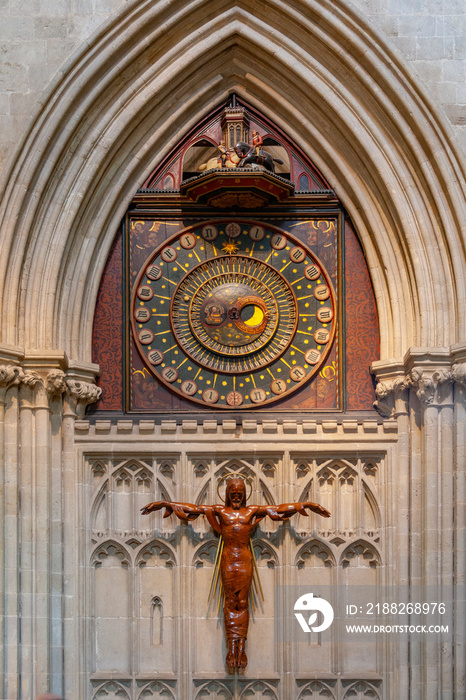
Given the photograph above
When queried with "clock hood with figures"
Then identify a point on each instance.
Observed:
(244, 285)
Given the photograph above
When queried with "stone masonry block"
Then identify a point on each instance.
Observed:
(454, 71)
(52, 27)
(350, 426)
(407, 46)
(432, 49)
(13, 78)
(168, 426)
(446, 93)
(189, 426)
(459, 50)
(103, 426)
(125, 426)
(146, 426)
(16, 26)
(4, 102)
(370, 426)
(22, 103)
(417, 25)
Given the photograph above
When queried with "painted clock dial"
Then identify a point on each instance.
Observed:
(233, 314)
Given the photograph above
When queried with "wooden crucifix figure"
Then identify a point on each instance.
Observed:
(235, 521)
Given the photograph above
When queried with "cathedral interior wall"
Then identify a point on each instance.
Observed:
(92, 97)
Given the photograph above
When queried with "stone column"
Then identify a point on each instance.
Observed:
(433, 405)
(459, 522)
(428, 533)
(10, 376)
(35, 452)
(78, 395)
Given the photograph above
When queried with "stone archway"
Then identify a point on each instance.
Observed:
(118, 107)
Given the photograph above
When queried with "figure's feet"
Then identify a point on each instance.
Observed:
(242, 659)
(231, 654)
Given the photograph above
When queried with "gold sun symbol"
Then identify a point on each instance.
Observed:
(230, 248)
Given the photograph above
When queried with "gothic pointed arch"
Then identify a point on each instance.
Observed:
(346, 100)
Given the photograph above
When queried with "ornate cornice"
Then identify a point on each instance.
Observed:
(432, 386)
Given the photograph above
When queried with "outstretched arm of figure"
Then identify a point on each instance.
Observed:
(286, 510)
(183, 511)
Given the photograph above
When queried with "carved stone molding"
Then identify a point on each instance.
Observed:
(31, 379)
(387, 392)
(10, 375)
(56, 382)
(431, 386)
(423, 384)
(83, 393)
(458, 373)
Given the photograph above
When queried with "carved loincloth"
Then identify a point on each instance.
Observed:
(236, 570)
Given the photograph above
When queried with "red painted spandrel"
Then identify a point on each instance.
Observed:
(107, 334)
(362, 326)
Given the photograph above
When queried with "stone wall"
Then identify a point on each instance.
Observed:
(355, 105)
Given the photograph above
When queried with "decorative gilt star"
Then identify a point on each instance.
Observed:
(230, 247)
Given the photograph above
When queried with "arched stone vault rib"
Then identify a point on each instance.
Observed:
(327, 81)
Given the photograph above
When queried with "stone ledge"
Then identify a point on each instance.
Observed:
(269, 429)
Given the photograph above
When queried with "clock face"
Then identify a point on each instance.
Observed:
(233, 314)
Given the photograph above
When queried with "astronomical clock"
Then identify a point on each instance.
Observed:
(233, 312)
(239, 282)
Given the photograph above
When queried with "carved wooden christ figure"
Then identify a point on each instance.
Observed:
(235, 522)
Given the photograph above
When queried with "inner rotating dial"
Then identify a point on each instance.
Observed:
(233, 314)
(226, 316)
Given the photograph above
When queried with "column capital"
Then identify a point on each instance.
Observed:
(459, 374)
(81, 394)
(429, 372)
(10, 375)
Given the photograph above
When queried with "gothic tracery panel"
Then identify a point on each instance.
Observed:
(137, 617)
